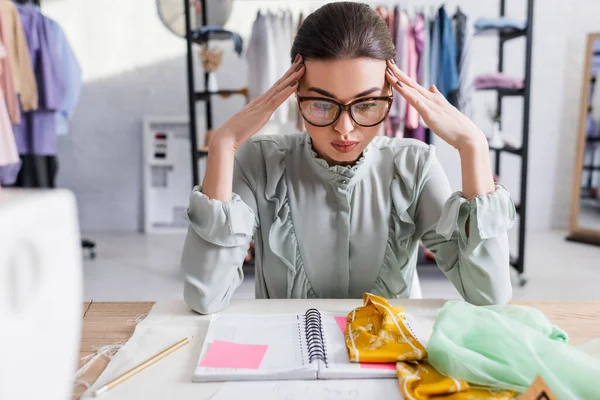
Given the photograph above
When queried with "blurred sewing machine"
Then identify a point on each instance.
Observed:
(40, 294)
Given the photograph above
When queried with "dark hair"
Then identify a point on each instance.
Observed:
(343, 30)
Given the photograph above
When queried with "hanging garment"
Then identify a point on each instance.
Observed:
(419, 35)
(412, 61)
(595, 101)
(262, 57)
(71, 72)
(7, 83)
(447, 74)
(282, 51)
(499, 23)
(37, 132)
(520, 343)
(464, 40)
(498, 80)
(9, 156)
(18, 55)
(399, 105)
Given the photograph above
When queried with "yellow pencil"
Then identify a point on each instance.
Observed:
(140, 367)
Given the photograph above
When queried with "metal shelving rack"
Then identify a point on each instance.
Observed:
(205, 96)
(504, 35)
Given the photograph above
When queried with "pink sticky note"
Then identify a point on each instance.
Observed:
(221, 354)
(378, 365)
(341, 321)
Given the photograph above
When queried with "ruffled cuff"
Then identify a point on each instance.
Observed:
(227, 224)
(493, 213)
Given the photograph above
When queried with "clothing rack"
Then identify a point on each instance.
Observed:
(517, 261)
(86, 244)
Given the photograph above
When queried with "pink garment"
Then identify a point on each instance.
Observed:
(498, 80)
(7, 83)
(412, 116)
(8, 147)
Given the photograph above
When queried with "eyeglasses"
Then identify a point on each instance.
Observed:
(365, 112)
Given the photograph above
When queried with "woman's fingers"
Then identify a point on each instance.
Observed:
(293, 71)
(414, 97)
(405, 79)
(284, 89)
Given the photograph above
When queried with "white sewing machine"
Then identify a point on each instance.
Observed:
(40, 294)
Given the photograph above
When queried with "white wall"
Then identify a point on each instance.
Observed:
(134, 67)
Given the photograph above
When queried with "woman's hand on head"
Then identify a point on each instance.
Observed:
(239, 128)
(441, 117)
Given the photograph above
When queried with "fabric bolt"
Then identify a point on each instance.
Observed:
(16, 44)
(507, 347)
(498, 80)
(278, 178)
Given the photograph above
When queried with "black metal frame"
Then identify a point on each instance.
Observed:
(518, 262)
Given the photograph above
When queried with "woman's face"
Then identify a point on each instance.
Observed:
(344, 81)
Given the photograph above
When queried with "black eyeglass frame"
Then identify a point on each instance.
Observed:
(345, 107)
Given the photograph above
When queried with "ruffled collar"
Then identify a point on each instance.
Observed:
(339, 174)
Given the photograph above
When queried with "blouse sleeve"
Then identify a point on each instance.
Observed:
(477, 264)
(217, 242)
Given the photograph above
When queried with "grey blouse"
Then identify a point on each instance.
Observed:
(337, 232)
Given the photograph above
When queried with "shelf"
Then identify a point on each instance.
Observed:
(592, 139)
(504, 91)
(509, 149)
(592, 167)
(203, 151)
(201, 96)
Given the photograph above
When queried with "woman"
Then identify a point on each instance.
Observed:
(338, 211)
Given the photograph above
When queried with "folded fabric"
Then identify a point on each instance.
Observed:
(420, 381)
(507, 347)
(498, 80)
(499, 23)
(378, 333)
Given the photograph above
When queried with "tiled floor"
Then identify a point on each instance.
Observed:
(134, 267)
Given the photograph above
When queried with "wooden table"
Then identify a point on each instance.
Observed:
(111, 323)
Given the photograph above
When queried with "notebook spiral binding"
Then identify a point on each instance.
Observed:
(313, 329)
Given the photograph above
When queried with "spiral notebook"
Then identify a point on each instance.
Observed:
(278, 347)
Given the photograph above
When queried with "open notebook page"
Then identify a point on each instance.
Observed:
(255, 347)
(338, 363)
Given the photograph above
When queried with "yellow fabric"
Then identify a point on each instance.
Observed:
(378, 333)
(420, 381)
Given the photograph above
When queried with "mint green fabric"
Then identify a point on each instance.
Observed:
(507, 347)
